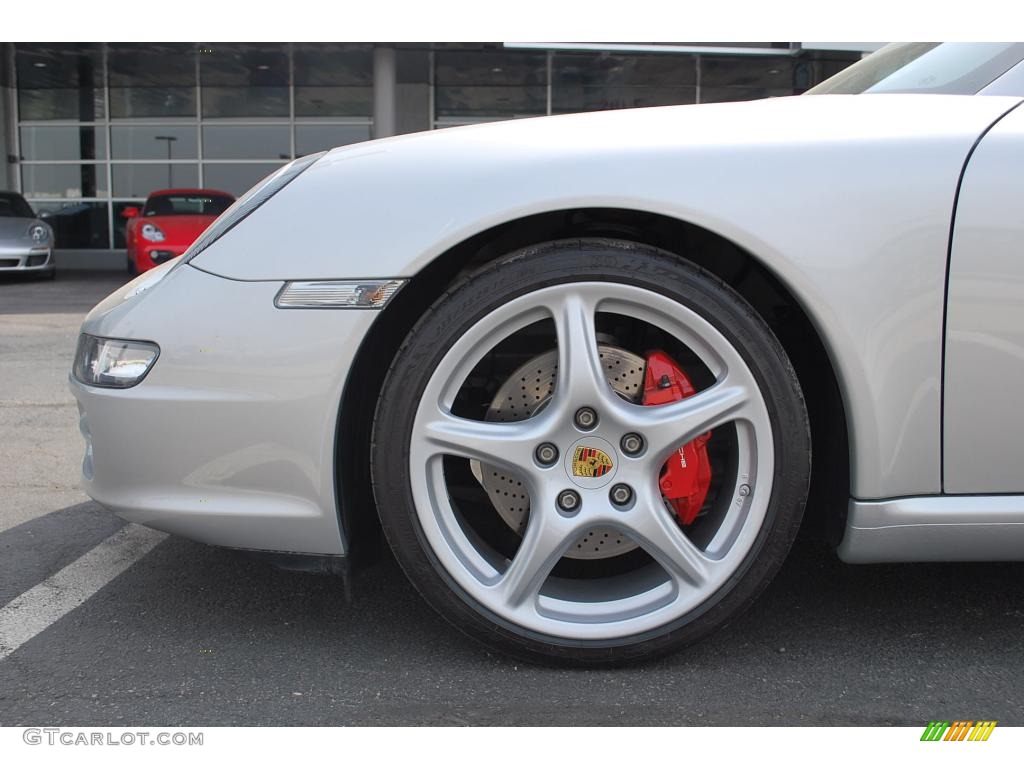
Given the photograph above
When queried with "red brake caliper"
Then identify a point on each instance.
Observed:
(686, 476)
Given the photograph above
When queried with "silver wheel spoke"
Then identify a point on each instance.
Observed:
(503, 444)
(667, 427)
(581, 379)
(654, 529)
(546, 539)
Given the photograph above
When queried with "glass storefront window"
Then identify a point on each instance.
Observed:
(66, 180)
(482, 84)
(586, 82)
(333, 80)
(333, 101)
(76, 225)
(739, 78)
(169, 101)
(154, 142)
(139, 179)
(240, 80)
(314, 137)
(253, 101)
(99, 125)
(60, 82)
(62, 142)
(235, 178)
(246, 142)
(152, 80)
(413, 90)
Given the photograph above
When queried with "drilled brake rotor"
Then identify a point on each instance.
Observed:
(524, 393)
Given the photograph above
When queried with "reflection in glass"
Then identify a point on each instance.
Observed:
(712, 95)
(490, 84)
(235, 178)
(167, 101)
(138, 180)
(60, 104)
(333, 80)
(747, 71)
(152, 80)
(741, 78)
(257, 101)
(154, 142)
(313, 137)
(76, 225)
(57, 181)
(242, 80)
(333, 101)
(413, 90)
(60, 81)
(62, 142)
(246, 142)
(586, 82)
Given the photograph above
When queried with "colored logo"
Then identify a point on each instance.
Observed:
(959, 730)
(590, 462)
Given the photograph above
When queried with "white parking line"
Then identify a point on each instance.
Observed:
(33, 611)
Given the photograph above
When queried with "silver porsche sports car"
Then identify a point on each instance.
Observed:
(590, 374)
(26, 242)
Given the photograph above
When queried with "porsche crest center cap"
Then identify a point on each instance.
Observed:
(591, 462)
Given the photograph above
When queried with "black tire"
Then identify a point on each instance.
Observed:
(567, 261)
(129, 266)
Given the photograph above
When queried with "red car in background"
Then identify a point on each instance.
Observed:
(168, 223)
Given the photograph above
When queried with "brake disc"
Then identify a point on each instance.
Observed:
(523, 394)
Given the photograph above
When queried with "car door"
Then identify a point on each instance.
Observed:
(983, 392)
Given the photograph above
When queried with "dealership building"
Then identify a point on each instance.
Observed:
(88, 129)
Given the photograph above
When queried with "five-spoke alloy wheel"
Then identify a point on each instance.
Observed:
(520, 469)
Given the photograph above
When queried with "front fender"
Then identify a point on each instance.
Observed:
(846, 199)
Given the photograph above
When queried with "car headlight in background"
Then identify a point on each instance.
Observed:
(117, 363)
(249, 202)
(153, 233)
(39, 233)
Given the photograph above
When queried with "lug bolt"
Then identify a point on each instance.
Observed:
(568, 501)
(632, 444)
(546, 454)
(621, 494)
(586, 418)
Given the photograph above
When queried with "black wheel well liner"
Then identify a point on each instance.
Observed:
(830, 473)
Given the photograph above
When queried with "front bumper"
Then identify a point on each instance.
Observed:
(230, 438)
(26, 259)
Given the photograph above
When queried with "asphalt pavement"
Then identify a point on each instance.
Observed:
(40, 447)
(191, 635)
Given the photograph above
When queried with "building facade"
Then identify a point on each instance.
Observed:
(89, 129)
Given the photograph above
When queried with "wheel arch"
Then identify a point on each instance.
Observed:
(742, 270)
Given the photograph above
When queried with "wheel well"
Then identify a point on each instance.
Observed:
(830, 484)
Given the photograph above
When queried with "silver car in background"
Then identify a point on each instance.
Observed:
(26, 242)
(590, 374)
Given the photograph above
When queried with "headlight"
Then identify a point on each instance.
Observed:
(153, 233)
(116, 363)
(249, 202)
(39, 233)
